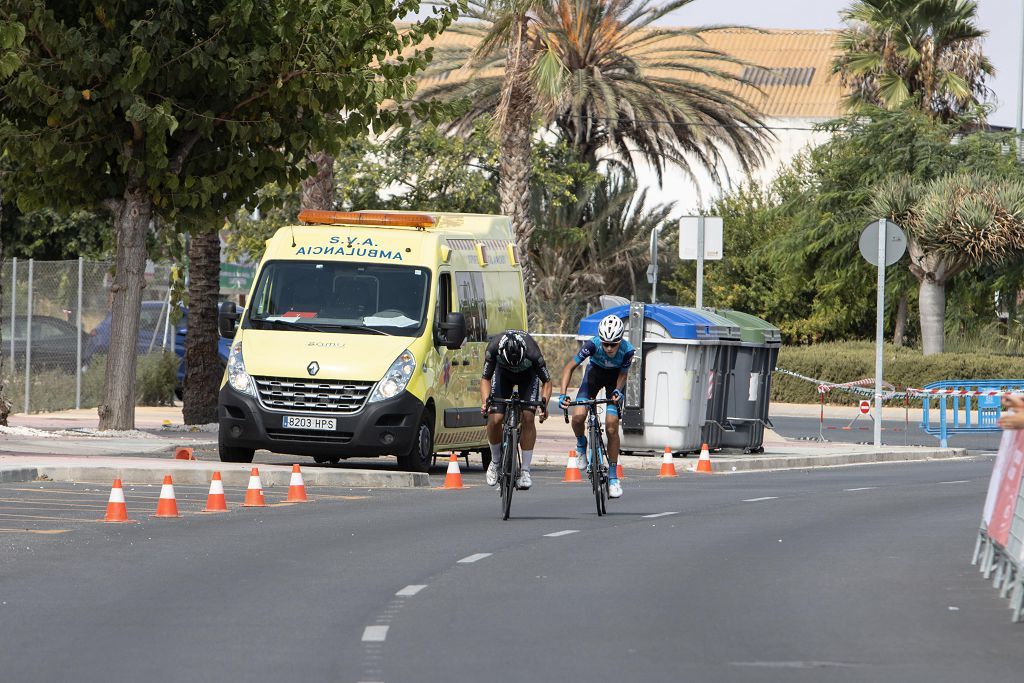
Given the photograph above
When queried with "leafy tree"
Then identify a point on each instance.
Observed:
(926, 51)
(183, 109)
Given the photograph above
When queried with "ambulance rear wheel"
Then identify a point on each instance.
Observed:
(485, 458)
(421, 453)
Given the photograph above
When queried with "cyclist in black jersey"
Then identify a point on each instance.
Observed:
(513, 360)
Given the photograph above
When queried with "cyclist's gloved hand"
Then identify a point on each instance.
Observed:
(483, 408)
(616, 395)
(563, 400)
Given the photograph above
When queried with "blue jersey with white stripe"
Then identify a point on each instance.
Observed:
(593, 350)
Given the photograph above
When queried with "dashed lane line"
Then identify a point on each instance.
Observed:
(566, 532)
(958, 481)
(660, 514)
(758, 500)
(474, 558)
(42, 532)
(410, 590)
(375, 634)
(863, 488)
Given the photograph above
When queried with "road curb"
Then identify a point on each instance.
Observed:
(199, 474)
(18, 475)
(729, 463)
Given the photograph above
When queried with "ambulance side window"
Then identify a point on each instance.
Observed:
(444, 297)
(470, 290)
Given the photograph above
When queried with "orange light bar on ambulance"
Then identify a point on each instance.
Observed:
(376, 218)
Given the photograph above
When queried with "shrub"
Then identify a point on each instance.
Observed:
(847, 361)
(52, 390)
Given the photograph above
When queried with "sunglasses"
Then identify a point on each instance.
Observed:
(610, 345)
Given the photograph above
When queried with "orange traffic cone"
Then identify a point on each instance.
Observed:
(618, 470)
(167, 506)
(116, 509)
(297, 487)
(704, 463)
(183, 453)
(254, 494)
(453, 478)
(668, 467)
(215, 502)
(572, 472)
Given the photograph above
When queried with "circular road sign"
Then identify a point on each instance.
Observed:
(865, 407)
(895, 243)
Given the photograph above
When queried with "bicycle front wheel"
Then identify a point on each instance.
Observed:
(508, 480)
(595, 473)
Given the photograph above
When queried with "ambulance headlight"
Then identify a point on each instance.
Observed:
(238, 378)
(396, 378)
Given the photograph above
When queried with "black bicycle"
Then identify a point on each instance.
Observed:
(511, 458)
(597, 452)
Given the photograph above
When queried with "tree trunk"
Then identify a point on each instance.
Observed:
(933, 315)
(515, 124)
(899, 335)
(118, 408)
(5, 404)
(318, 189)
(203, 368)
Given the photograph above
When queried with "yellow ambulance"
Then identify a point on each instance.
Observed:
(364, 335)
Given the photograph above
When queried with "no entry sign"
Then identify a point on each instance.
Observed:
(865, 407)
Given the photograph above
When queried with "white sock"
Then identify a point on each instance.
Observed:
(527, 458)
(495, 453)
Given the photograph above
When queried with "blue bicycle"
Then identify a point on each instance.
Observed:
(597, 452)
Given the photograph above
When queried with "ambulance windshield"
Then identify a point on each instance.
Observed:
(341, 297)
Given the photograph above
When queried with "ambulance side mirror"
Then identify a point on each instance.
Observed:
(227, 318)
(452, 332)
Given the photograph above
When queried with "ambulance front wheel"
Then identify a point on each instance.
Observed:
(421, 453)
(235, 454)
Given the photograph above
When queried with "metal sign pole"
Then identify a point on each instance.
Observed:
(652, 271)
(700, 261)
(28, 339)
(879, 322)
(14, 306)
(78, 341)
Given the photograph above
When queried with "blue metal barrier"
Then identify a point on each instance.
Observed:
(965, 414)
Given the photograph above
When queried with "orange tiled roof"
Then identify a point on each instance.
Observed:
(797, 83)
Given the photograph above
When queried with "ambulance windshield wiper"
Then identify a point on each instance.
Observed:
(290, 325)
(357, 328)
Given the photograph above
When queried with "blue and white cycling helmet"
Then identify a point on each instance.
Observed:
(610, 329)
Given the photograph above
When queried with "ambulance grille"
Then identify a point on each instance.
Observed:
(321, 396)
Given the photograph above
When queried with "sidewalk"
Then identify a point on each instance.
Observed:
(56, 445)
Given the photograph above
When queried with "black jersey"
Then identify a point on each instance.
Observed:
(532, 361)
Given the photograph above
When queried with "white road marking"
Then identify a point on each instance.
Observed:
(562, 533)
(375, 634)
(958, 481)
(660, 514)
(410, 590)
(758, 500)
(474, 558)
(862, 488)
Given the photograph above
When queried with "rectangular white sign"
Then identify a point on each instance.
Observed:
(712, 238)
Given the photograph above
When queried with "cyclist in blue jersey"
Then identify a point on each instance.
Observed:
(610, 357)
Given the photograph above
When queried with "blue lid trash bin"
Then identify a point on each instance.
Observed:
(667, 397)
(749, 393)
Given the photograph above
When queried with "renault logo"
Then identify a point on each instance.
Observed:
(313, 368)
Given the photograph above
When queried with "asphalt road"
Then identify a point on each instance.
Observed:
(846, 574)
(894, 433)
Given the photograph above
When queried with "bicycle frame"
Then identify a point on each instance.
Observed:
(511, 458)
(597, 466)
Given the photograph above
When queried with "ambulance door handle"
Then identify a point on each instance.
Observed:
(466, 362)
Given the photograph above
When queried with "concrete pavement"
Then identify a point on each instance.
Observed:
(61, 447)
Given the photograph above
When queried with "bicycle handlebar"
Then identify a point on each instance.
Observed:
(587, 402)
(518, 402)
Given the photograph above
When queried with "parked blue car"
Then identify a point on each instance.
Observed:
(152, 319)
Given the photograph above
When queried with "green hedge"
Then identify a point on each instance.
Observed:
(848, 361)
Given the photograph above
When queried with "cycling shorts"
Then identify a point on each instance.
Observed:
(596, 378)
(528, 384)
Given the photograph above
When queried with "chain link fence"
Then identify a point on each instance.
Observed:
(55, 318)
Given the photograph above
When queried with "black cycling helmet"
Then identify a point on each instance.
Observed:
(511, 349)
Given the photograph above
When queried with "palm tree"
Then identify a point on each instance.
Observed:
(598, 74)
(929, 50)
(954, 223)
